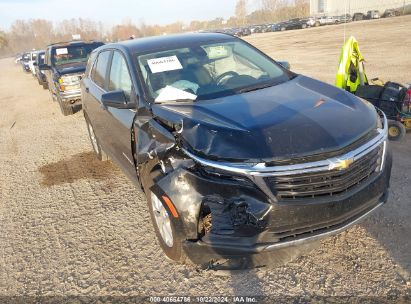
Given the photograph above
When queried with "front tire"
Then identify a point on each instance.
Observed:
(396, 130)
(165, 224)
(65, 107)
(165, 228)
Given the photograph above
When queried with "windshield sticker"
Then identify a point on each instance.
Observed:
(164, 64)
(62, 51)
(216, 52)
(170, 93)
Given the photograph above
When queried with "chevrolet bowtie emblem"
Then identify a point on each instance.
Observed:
(342, 164)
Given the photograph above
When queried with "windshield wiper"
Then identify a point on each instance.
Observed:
(176, 100)
(255, 87)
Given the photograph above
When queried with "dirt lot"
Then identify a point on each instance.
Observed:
(70, 225)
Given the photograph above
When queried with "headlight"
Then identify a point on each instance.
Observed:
(383, 127)
(69, 80)
(69, 83)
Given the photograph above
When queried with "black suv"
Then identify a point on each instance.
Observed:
(64, 65)
(236, 154)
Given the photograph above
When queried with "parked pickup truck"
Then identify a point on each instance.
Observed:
(64, 65)
(236, 154)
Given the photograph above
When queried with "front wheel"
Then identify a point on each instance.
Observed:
(396, 130)
(65, 107)
(165, 227)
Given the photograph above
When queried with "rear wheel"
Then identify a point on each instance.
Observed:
(101, 155)
(396, 130)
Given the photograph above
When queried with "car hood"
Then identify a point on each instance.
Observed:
(301, 117)
(72, 68)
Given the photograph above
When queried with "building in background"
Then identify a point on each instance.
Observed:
(340, 7)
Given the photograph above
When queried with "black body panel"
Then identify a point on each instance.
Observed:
(223, 214)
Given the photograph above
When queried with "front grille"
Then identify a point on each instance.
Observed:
(302, 231)
(325, 183)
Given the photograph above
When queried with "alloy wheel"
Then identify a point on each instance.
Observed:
(162, 219)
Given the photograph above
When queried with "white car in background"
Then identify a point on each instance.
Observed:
(32, 60)
(327, 20)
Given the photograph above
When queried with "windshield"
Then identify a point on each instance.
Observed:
(26, 57)
(72, 53)
(207, 71)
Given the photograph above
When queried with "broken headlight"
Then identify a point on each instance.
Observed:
(218, 173)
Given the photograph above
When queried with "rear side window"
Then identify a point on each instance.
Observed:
(119, 75)
(100, 69)
(90, 63)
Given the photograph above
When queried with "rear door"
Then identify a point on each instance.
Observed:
(94, 87)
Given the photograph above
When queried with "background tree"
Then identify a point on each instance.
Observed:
(3, 40)
(241, 11)
(25, 35)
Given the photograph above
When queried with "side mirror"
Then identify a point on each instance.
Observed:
(285, 64)
(116, 99)
(44, 67)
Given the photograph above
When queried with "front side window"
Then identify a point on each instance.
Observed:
(206, 71)
(72, 53)
(119, 75)
(100, 68)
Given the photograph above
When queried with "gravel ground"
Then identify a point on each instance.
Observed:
(72, 226)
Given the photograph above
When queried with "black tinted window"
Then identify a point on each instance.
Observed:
(99, 73)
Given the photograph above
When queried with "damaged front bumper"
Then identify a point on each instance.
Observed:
(245, 223)
(230, 211)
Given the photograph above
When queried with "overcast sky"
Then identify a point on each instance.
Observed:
(115, 11)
